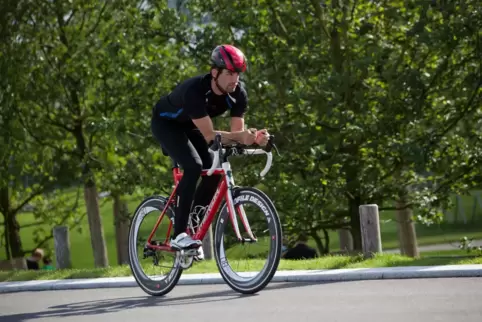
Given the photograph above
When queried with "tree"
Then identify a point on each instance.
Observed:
(28, 173)
(352, 89)
(140, 66)
(87, 75)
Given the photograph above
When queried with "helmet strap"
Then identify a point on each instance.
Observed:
(216, 82)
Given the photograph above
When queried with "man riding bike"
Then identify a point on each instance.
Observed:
(182, 124)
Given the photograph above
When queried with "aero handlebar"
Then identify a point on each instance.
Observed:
(217, 149)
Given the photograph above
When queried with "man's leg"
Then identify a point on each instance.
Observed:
(207, 187)
(175, 142)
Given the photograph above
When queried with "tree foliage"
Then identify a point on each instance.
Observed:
(84, 95)
(370, 102)
(373, 101)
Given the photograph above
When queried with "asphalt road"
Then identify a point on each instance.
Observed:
(456, 299)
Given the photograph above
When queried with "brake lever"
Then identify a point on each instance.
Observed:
(216, 149)
(271, 145)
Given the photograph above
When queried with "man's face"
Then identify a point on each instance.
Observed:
(227, 80)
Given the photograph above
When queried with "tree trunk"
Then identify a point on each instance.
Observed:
(406, 230)
(353, 206)
(7, 244)
(97, 239)
(4, 206)
(95, 225)
(13, 236)
(327, 241)
(13, 242)
(121, 223)
(318, 241)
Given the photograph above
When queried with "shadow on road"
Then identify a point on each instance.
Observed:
(97, 307)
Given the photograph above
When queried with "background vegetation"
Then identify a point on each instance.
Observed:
(370, 101)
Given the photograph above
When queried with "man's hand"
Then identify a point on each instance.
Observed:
(262, 137)
(249, 136)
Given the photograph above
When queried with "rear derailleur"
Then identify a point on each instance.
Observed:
(149, 252)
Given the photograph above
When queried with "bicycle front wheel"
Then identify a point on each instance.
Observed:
(263, 220)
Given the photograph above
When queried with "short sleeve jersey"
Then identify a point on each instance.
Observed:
(194, 99)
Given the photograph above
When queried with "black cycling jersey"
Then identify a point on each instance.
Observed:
(194, 99)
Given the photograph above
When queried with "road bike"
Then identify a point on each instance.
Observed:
(150, 247)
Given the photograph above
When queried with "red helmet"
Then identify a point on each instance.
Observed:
(228, 57)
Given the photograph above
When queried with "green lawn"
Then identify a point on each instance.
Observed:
(452, 252)
(327, 262)
(82, 251)
(447, 232)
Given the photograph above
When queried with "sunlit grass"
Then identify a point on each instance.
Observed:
(82, 256)
(327, 262)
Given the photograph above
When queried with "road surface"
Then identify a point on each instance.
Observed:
(444, 300)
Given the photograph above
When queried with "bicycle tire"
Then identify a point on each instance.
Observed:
(260, 282)
(151, 287)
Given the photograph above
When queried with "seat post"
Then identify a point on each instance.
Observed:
(175, 165)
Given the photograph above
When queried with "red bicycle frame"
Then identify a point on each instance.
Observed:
(224, 190)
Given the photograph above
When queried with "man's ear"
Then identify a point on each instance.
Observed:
(214, 72)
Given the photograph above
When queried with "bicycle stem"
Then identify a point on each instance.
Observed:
(217, 149)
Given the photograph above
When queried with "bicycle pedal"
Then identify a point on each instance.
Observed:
(191, 252)
(192, 247)
(188, 252)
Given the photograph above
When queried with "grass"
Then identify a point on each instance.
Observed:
(450, 252)
(81, 249)
(447, 232)
(326, 262)
(82, 257)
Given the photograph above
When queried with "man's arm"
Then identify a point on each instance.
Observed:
(237, 124)
(205, 125)
(195, 109)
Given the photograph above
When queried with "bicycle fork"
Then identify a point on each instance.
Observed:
(230, 203)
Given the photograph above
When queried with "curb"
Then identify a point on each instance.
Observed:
(349, 274)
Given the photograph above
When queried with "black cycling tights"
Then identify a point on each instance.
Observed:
(187, 146)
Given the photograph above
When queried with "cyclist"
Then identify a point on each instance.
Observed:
(182, 124)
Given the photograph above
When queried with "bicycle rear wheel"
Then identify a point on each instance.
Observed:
(228, 249)
(147, 263)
